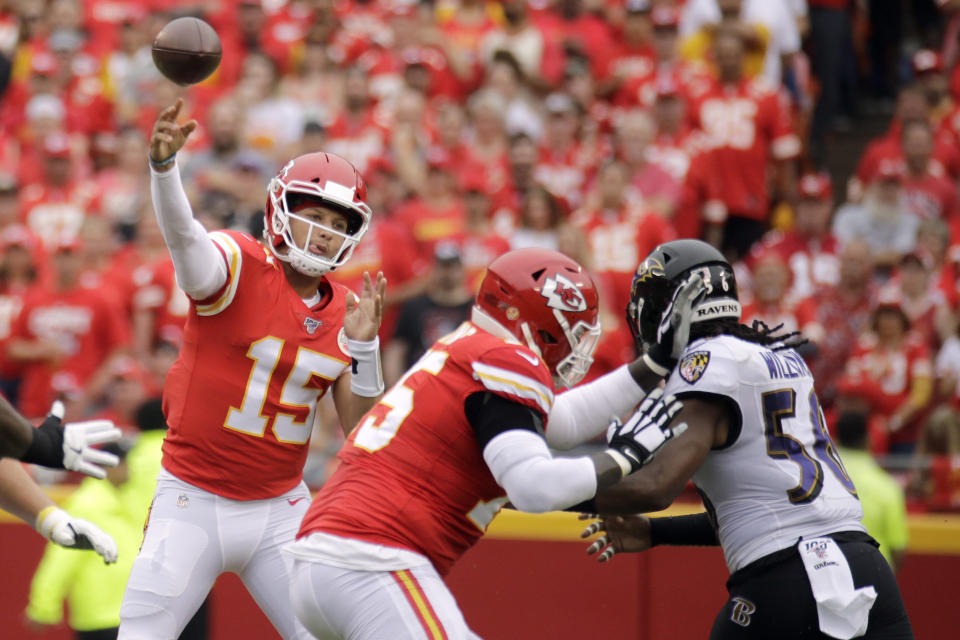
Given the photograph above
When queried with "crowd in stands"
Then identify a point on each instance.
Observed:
(600, 128)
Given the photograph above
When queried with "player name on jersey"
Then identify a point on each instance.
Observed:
(785, 364)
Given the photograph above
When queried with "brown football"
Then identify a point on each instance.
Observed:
(187, 50)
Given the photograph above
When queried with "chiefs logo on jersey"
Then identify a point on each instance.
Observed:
(562, 294)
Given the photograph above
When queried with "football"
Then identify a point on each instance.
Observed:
(187, 50)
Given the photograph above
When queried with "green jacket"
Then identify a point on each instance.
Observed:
(884, 507)
(92, 589)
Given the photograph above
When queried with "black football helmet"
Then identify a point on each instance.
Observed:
(664, 270)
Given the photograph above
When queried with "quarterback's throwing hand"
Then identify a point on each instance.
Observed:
(168, 135)
(648, 429)
(630, 534)
(363, 315)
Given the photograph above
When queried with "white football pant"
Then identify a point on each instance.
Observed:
(411, 604)
(192, 537)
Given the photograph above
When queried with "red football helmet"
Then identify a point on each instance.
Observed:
(549, 303)
(308, 180)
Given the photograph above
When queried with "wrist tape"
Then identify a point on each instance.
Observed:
(366, 375)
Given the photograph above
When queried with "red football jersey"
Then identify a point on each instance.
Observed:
(242, 396)
(412, 474)
(747, 126)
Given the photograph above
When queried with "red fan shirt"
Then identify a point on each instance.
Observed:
(83, 323)
(242, 396)
(412, 475)
(748, 126)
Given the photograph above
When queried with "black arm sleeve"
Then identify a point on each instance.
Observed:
(46, 448)
(692, 530)
(490, 415)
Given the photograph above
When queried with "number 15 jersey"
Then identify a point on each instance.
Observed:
(778, 477)
(241, 398)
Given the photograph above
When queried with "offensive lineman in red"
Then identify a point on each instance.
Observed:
(267, 335)
(463, 432)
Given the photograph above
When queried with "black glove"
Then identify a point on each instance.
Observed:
(673, 333)
(635, 442)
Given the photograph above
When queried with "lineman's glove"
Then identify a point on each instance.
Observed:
(635, 442)
(58, 526)
(71, 446)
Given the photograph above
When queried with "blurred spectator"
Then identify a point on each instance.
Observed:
(523, 41)
(91, 589)
(159, 307)
(425, 319)
(884, 506)
(208, 170)
(619, 233)
(925, 305)
(772, 303)
(891, 370)
(540, 218)
(928, 193)
(929, 74)
(886, 149)
(506, 80)
(315, 83)
(632, 56)
(54, 208)
(479, 245)
(130, 62)
(777, 24)
(437, 214)
(64, 336)
(936, 479)
(649, 181)
(466, 23)
(565, 157)
(881, 220)
(747, 125)
(20, 268)
(273, 121)
(703, 19)
(810, 249)
(676, 142)
(843, 310)
(487, 137)
(355, 134)
(522, 161)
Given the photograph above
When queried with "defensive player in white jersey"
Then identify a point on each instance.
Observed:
(267, 335)
(778, 499)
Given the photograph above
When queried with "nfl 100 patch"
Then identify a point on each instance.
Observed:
(693, 365)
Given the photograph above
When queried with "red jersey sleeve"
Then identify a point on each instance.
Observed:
(517, 374)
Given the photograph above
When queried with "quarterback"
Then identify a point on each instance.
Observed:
(464, 432)
(778, 498)
(267, 335)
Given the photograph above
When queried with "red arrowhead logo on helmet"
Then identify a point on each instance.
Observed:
(562, 294)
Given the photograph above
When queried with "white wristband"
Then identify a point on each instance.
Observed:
(367, 377)
(625, 467)
(48, 519)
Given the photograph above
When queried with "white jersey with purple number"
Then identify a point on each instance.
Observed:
(778, 477)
